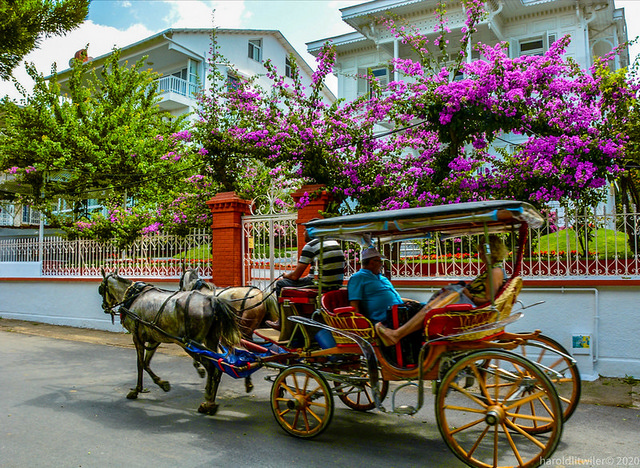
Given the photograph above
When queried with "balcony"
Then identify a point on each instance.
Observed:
(176, 92)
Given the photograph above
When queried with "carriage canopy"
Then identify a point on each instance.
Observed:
(415, 223)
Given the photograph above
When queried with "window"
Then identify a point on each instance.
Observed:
(255, 49)
(182, 74)
(379, 74)
(288, 72)
(532, 47)
(29, 215)
(536, 46)
(193, 76)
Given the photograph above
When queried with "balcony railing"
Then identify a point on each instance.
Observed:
(173, 84)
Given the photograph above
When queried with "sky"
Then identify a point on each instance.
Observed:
(119, 23)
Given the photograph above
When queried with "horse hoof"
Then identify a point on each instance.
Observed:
(132, 395)
(164, 385)
(248, 386)
(208, 408)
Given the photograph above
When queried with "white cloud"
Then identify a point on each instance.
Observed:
(59, 50)
(200, 14)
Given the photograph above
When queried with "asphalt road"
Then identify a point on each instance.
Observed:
(62, 404)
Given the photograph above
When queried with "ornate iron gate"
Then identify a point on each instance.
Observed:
(270, 248)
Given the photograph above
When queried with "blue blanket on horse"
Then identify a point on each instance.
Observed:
(236, 362)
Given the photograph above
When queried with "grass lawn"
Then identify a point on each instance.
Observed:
(203, 252)
(607, 243)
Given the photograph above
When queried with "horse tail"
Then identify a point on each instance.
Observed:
(225, 316)
(273, 311)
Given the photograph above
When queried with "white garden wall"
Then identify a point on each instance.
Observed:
(608, 315)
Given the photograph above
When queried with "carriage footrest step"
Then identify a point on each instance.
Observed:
(269, 334)
(405, 409)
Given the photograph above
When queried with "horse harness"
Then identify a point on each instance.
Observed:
(132, 293)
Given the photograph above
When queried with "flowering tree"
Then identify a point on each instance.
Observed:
(255, 139)
(444, 153)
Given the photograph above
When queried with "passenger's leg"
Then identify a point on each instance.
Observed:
(391, 336)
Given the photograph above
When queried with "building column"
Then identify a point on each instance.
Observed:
(227, 210)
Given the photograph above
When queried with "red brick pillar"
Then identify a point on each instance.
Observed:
(318, 201)
(227, 238)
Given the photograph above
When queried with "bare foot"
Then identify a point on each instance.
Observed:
(385, 335)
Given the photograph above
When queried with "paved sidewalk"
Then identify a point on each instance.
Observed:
(604, 391)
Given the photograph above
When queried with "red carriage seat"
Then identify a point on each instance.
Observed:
(456, 318)
(337, 313)
(303, 299)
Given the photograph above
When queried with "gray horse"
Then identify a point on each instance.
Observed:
(155, 316)
(251, 305)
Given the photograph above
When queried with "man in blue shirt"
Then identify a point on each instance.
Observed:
(371, 293)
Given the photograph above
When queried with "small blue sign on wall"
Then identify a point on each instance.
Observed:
(581, 344)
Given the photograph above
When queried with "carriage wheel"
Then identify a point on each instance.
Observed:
(568, 386)
(485, 401)
(301, 401)
(360, 398)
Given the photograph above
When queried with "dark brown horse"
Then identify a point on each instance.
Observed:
(155, 316)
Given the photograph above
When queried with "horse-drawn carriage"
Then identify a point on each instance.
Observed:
(500, 398)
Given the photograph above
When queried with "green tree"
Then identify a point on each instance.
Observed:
(619, 92)
(23, 23)
(106, 139)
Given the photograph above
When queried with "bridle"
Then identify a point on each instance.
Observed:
(131, 294)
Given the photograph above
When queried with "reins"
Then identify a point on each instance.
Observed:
(200, 283)
(133, 292)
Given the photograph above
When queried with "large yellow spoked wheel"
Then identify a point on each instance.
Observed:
(554, 359)
(485, 401)
(301, 401)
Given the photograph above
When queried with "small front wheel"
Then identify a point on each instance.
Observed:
(360, 398)
(301, 401)
(486, 404)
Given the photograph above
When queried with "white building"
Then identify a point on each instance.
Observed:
(180, 56)
(529, 26)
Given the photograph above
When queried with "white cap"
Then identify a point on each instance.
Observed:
(370, 253)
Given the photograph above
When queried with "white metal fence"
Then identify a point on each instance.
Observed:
(568, 246)
(156, 256)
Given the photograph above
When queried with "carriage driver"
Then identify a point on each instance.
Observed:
(332, 264)
(371, 293)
